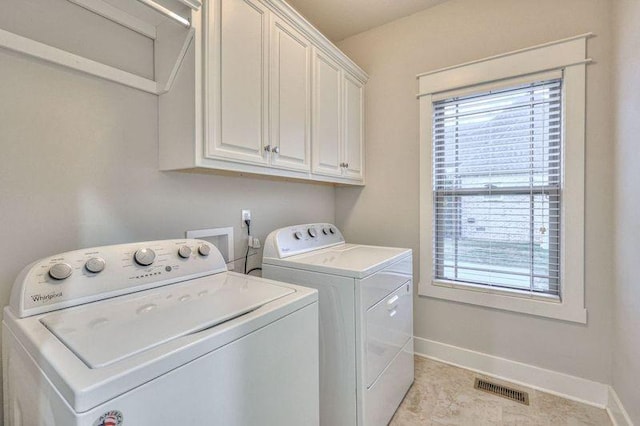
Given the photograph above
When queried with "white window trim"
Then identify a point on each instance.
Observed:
(568, 56)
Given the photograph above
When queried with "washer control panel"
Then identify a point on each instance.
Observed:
(298, 239)
(83, 276)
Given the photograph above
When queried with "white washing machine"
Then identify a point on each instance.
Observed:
(157, 333)
(366, 318)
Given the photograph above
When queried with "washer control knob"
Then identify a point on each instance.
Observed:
(331, 230)
(312, 232)
(184, 252)
(60, 271)
(204, 250)
(145, 256)
(297, 235)
(325, 231)
(95, 264)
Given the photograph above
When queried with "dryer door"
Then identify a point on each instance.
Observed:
(389, 327)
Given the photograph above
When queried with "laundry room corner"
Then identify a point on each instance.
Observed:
(319, 213)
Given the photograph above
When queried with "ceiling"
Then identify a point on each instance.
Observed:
(339, 19)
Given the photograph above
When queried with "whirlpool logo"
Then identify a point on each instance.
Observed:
(45, 297)
(110, 418)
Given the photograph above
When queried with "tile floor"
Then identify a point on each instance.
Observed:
(444, 395)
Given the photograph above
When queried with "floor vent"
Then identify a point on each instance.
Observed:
(503, 391)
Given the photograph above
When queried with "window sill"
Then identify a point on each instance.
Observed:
(505, 299)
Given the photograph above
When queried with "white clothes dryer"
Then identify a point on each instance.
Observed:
(157, 333)
(366, 318)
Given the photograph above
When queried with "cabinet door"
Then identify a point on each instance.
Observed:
(290, 97)
(237, 76)
(353, 127)
(326, 116)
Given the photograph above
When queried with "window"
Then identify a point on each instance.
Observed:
(496, 187)
(502, 181)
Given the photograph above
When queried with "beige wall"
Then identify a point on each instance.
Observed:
(626, 344)
(78, 168)
(386, 210)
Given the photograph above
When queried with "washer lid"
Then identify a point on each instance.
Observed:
(349, 260)
(103, 333)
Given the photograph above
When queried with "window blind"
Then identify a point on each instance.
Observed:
(497, 187)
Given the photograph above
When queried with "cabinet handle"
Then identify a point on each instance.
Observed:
(267, 148)
(346, 165)
(276, 150)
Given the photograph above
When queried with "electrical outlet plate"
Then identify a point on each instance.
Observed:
(246, 215)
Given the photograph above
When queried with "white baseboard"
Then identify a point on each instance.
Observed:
(618, 414)
(553, 382)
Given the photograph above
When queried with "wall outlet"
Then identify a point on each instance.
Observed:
(246, 215)
(256, 243)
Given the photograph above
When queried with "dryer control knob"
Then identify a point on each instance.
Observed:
(332, 230)
(297, 235)
(204, 250)
(60, 271)
(145, 256)
(325, 231)
(312, 232)
(184, 252)
(95, 265)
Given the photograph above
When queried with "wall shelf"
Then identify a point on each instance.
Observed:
(169, 28)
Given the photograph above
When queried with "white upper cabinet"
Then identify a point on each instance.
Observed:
(237, 74)
(261, 91)
(290, 97)
(353, 137)
(327, 105)
(338, 120)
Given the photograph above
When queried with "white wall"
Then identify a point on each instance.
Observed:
(386, 210)
(78, 161)
(626, 343)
